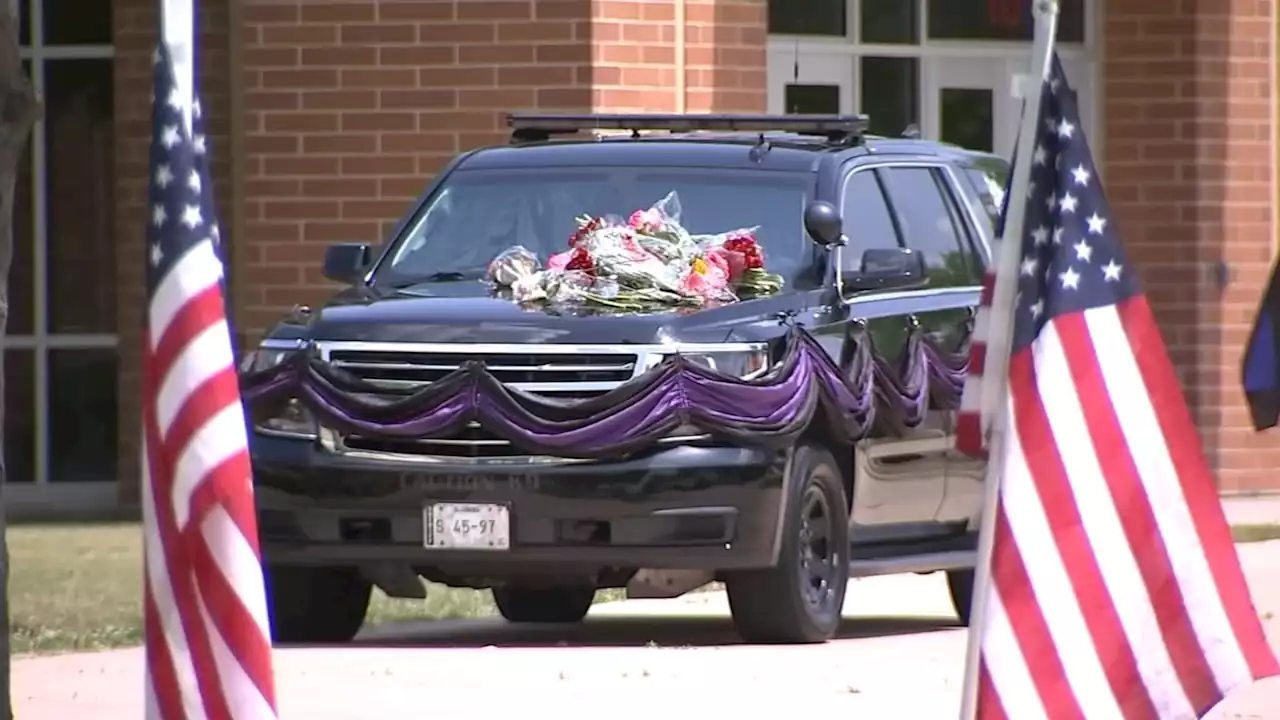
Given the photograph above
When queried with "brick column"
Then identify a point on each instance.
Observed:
(1187, 97)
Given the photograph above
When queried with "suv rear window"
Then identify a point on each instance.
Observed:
(476, 214)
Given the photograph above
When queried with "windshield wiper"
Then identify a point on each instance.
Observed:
(442, 276)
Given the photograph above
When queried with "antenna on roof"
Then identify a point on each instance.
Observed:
(795, 76)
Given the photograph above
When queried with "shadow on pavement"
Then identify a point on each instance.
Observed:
(612, 631)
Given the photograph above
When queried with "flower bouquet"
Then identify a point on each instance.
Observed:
(649, 260)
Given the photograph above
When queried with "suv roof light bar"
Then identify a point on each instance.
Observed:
(534, 127)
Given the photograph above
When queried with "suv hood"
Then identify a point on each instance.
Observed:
(466, 312)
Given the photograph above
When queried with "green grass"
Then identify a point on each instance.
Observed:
(77, 586)
(1255, 533)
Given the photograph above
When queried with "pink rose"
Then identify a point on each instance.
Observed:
(646, 220)
(735, 263)
(558, 261)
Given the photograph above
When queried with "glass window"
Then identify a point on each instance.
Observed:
(807, 17)
(999, 20)
(20, 416)
(967, 118)
(812, 99)
(868, 222)
(82, 415)
(80, 181)
(76, 22)
(890, 92)
(479, 213)
(929, 224)
(889, 21)
(990, 179)
(24, 23)
(22, 271)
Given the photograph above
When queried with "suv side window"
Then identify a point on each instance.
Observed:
(931, 226)
(988, 178)
(868, 219)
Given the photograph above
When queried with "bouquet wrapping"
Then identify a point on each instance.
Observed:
(647, 260)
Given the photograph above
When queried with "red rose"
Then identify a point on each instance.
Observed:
(581, 260)
(746, 245)
(591, 226)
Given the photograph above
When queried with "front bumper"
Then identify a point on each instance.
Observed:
(686, 507)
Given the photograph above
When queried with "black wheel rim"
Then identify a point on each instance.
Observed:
(818, 556)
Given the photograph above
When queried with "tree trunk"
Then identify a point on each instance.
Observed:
(19, 109)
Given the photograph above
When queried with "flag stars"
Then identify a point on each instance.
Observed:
(191, 216)
(1097, 224)
(169, 137)
(1080, 175)
(1029, 266)
(1070, 279)
(1111, 271)
(1041, 156)
(1066, 129)
(1037, 309)
(1040, 235)
(1058, 232)
(1084, 251)
(1068, 202)
(158, 215)
(197, 143)
(163, 176)
(175, 99)
(193, 181)
(157, 255)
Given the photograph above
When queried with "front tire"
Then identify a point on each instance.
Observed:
(519, 604)
(801, 598)
(316, 604)
(960, 584)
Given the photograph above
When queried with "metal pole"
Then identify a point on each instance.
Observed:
(995, 376)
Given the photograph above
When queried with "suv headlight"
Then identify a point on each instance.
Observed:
(264, 358)
(739, 361)
(294, 420)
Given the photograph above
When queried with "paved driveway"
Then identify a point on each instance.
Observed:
(899, 655)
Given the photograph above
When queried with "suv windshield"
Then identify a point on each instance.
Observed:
(476, 214)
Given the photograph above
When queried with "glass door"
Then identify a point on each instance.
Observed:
(969, 102)
(810, 81)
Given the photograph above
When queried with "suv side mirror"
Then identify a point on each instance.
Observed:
(823, 223)
(343, 262)
(886, 268)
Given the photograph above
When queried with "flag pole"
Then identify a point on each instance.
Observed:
(177, 30)
(995, 382)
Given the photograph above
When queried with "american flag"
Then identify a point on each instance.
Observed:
(208, 649)
(1115, 588)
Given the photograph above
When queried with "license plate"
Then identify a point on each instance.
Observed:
(467, 526)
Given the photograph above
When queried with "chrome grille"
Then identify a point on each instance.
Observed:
(529, 371)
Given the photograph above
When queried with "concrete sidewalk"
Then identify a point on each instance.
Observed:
(1253, 510)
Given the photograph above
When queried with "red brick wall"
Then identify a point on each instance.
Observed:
(353, 106)
(135, 35)
(1186, 93)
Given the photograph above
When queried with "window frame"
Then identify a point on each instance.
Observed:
(945, 172)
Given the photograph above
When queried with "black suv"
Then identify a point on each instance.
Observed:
(889, 235)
